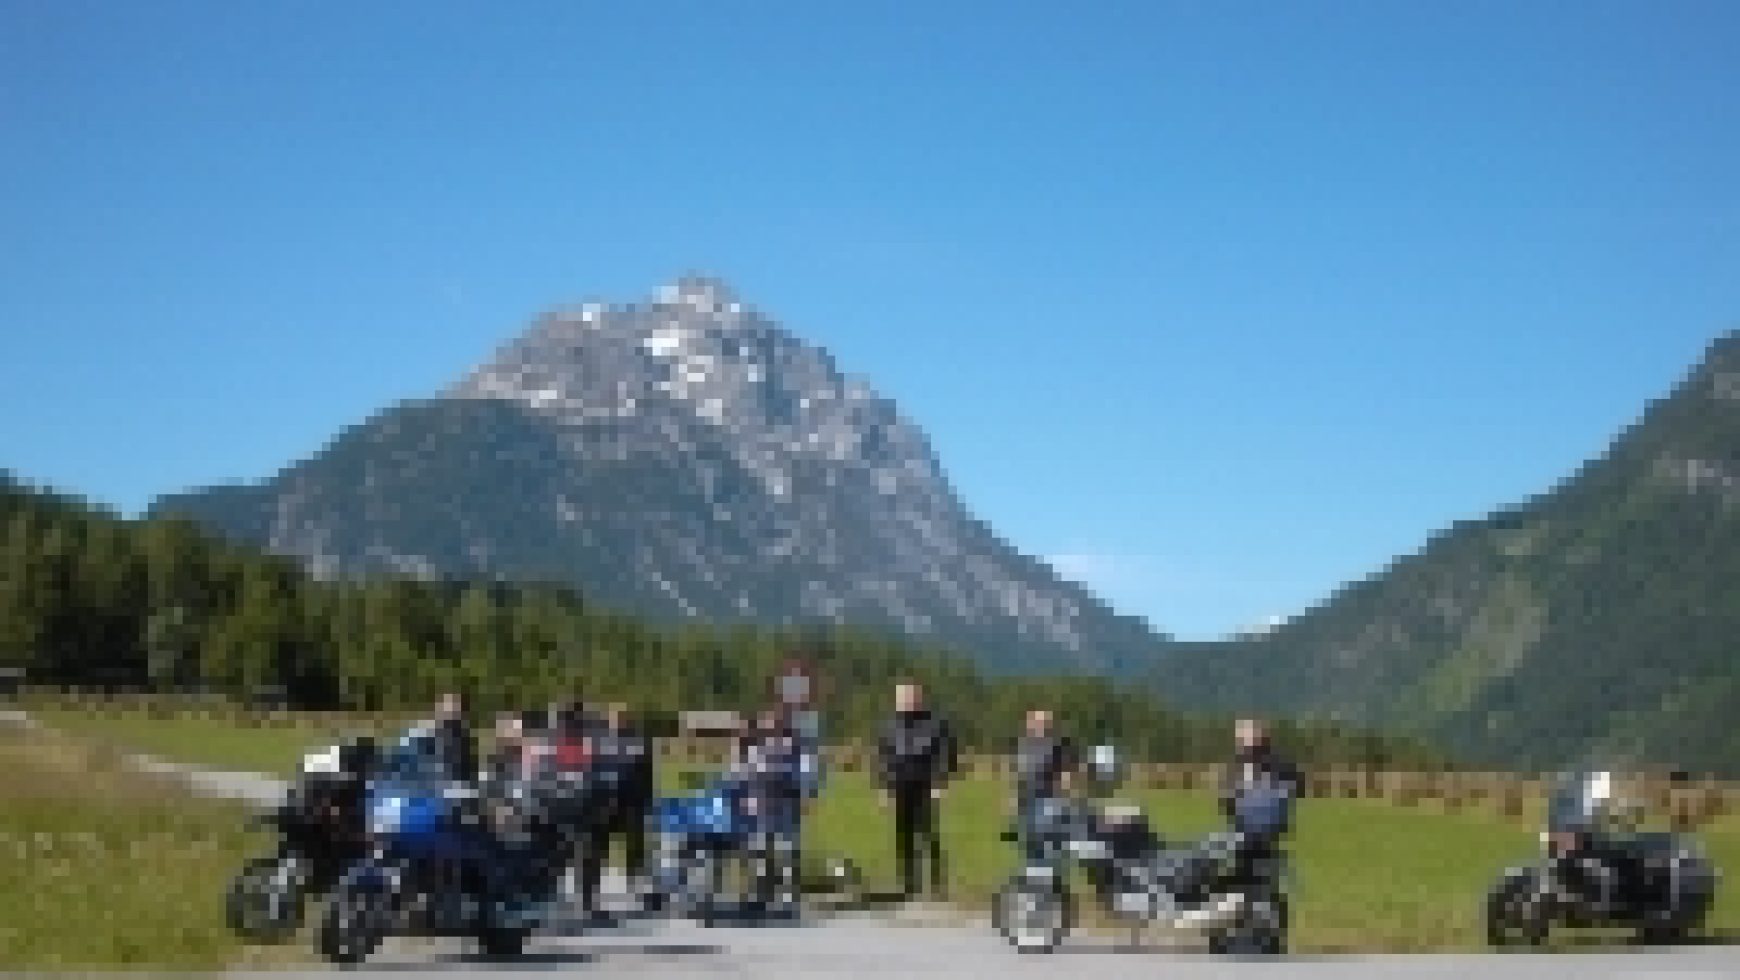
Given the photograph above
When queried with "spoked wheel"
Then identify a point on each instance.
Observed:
(354, 925)
(264, 903)
(1033, 917)
(1516, 913)
(1260, 931)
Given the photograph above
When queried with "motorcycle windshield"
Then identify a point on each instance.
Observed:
(1572, 806)
(411, 766)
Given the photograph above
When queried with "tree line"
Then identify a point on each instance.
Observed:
(88, 598)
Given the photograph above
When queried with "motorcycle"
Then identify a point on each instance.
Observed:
(701, 833)
(266, 901)
(435, 868)
(1225, 887)
(1598, 870)
(697, 835)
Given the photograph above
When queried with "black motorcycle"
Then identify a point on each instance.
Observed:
(318, 828)
(1226, 887)
(1594, 873)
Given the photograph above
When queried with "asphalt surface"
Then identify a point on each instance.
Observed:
(917, 942)
(869, 947)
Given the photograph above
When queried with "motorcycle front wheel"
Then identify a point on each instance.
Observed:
(703, 879)
(265, 901)
(1516, 915)
(1034, 917)
(354, 925)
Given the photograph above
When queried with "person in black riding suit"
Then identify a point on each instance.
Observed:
(1257, 770)
(577, 743)
(623, 761)
(455, 744)
(916, 757)
(1592, 858)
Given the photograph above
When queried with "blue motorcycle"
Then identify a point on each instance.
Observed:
(435, 868)
(697, 835)
(700, 834)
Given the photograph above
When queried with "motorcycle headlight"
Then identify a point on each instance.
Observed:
(386, 816)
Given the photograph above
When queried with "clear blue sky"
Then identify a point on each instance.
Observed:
(1224, 303)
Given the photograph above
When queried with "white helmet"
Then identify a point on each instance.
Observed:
(325, 762)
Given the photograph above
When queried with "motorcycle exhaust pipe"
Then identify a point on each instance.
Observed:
(1214, 914)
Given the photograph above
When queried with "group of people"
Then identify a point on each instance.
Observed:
(778, 761)
(917, 756)
(604, 763)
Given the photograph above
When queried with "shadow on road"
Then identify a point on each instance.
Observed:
(535, 959)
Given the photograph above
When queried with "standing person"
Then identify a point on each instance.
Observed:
(1257, 796)
(625, 759)
(1045, 765)
(455, 746)
(772, 768)
(506, 760)
(916, 756)
(590, 792)
(509, 772)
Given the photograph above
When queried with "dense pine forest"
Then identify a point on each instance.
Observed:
(90, 599)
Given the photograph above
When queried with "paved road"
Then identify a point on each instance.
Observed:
(915, 943)
(858, 947)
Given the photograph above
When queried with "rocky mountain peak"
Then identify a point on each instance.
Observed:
(700, 293)
(686, 456)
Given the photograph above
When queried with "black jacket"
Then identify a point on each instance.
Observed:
(916, 750)
(327, 810)
(1263, 761)
(628, 755)
(458, 749)
(1040, 764)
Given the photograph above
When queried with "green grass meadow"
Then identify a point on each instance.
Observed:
(218, 742)
(103, 867)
